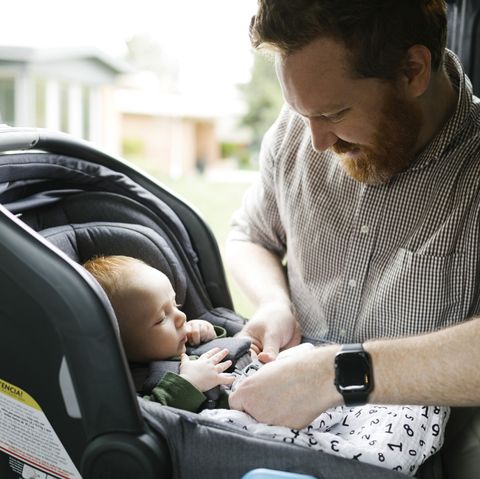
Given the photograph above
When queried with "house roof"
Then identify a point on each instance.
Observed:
(21, 54)
(142, 94)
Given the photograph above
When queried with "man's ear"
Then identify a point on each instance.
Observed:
(417, 69)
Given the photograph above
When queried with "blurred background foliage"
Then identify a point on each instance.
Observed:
(263, 98)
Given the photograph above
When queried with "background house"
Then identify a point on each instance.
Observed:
(87, 93)
(67, 89)
(175, 133)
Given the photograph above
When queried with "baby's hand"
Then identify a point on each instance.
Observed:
(207, 371)
(199, 331)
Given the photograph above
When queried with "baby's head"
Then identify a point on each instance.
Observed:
(151, 325)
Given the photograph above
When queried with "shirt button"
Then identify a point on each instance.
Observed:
(352, 283)
(343, 333)
(364, 229)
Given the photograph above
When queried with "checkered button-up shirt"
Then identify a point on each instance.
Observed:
(369, 261)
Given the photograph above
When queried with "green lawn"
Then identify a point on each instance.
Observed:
(215, 201)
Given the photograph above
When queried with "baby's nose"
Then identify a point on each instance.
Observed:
(180, 319)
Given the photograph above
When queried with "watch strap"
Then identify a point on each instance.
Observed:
(355, 398)
(353, 348)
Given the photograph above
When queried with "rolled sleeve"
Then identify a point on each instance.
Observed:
(173, 390)
(258, 220)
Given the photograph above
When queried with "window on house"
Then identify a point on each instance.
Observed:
(7, 101)
(64, 107)
(40, 103)
(86, 112)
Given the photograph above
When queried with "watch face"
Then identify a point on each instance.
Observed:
(352, 371)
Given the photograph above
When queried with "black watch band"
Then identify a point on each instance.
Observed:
(353, 374)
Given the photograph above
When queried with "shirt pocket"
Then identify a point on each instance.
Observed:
(418, 293)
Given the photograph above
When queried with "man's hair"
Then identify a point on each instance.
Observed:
(109, 270)
(378, 33)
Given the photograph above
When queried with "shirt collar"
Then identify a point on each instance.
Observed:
(441, 141)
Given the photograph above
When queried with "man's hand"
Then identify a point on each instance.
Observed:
(273, 327)
(199, 331)
(290, 392)
(207, 371)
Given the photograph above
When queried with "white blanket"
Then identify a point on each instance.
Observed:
(400, 438)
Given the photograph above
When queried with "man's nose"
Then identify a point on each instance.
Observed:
(322, 135)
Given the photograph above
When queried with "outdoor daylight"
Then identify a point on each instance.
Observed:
(171, 86)
(239, 239)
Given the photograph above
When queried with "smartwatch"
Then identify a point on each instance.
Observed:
(353, 374)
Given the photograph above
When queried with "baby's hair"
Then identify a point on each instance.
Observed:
(108, 270)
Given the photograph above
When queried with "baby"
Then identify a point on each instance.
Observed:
(152, 327)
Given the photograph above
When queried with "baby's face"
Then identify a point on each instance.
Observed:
(151, 325)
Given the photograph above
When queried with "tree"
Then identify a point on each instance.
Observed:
(263, 97)
(147, 55)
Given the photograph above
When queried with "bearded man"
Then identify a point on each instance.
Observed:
(364, 221)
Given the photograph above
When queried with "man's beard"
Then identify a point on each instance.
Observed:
(393, 149)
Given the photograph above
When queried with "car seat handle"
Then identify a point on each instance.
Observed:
(15, 139)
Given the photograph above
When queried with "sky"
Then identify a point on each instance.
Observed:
(208, 38)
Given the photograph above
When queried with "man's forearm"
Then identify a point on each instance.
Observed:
(433, 369)
(259, 273)
(438, 368)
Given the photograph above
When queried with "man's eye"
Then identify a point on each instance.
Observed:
(337, 116)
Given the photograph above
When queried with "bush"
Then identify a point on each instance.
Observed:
(238, 152)
(133, 147)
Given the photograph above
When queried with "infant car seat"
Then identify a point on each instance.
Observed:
(68, 407)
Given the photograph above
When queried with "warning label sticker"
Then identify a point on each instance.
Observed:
(28, 438)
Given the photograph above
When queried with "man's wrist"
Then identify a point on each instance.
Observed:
(277, 300)
(324, 374)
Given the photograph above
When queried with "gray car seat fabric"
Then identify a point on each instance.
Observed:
(217, 451)
(83, 241)
(47, 190)
(461, 451)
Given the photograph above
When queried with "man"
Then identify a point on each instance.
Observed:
(363, 224)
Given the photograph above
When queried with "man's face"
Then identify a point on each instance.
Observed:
(372, 125)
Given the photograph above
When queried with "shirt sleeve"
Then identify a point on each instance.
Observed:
(258, 220)
(173, 390)
(220, 332)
